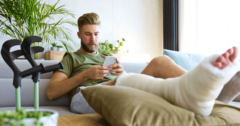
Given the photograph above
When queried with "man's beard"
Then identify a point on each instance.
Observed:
(89, 49)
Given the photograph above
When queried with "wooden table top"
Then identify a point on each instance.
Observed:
(82, 120)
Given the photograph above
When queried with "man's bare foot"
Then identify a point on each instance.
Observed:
(226, 58)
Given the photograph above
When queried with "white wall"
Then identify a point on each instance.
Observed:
(140, 22)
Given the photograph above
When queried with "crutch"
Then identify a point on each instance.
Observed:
(28, 52)
(9, 57)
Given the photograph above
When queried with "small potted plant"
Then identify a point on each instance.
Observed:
(108, 48)
(59, 48)
(54, 46)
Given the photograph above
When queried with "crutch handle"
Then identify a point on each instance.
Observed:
(26, 48)
(7, 56)
(28, 52)
(33, 70)
(53, 67)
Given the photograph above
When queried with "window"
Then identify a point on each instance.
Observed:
(208, 26)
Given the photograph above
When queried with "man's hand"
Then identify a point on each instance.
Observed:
(96, 72)
(116, 68)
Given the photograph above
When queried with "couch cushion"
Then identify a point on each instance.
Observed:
(187, 61)
(124, 106)
(61, 109)
(133, 67)
(7, 94)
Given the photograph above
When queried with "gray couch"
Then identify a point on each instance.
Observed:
(7, 90)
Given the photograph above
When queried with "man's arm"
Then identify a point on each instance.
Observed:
(60, 84)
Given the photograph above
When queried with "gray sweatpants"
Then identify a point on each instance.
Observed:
(79, 104)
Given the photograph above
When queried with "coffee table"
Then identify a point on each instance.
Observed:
(82, 120)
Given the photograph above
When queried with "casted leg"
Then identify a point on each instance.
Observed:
(164, 67)
(196, 90)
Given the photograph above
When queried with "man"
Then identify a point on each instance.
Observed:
(83, 67)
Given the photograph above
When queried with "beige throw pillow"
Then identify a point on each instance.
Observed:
(231, 90)
(124, 106)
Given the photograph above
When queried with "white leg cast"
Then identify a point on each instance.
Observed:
(195, 91)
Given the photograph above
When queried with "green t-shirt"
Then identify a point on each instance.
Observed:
(77, 62)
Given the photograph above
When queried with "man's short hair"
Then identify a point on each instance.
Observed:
(88, 18)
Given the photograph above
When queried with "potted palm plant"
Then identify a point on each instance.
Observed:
(22, 18)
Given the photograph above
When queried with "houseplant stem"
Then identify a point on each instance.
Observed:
(36, 96)
(18, 98)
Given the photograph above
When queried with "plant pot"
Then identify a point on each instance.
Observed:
(54, 48)
(46, 120)
(60, 49)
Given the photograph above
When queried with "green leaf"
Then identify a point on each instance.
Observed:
(110, 46)
(54, 44)
(67, 45)
(121, 43)
(60, 46)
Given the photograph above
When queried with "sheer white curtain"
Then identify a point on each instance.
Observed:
(209, 26)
